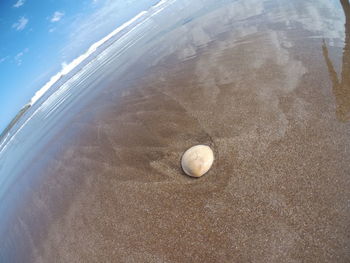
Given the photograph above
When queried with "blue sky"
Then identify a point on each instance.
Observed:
(37, 37)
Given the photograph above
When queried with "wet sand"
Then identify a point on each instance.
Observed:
(255, 80)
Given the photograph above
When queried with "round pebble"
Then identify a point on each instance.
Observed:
(197, 160)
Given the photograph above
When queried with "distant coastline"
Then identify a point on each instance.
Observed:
(14, 120)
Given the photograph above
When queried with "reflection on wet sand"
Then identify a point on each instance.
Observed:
(341, 88)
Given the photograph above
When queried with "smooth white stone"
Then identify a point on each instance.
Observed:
(197, 160)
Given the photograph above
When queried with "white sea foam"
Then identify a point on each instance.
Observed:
(68, 67)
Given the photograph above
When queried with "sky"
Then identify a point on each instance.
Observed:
(37, 38)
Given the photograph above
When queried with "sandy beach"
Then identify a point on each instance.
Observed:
(264, 83)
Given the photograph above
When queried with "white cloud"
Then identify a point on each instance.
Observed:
(57, 16)
(21, 24)
(19, 3)
(103, 20)
(18, 57)
(3, 59)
